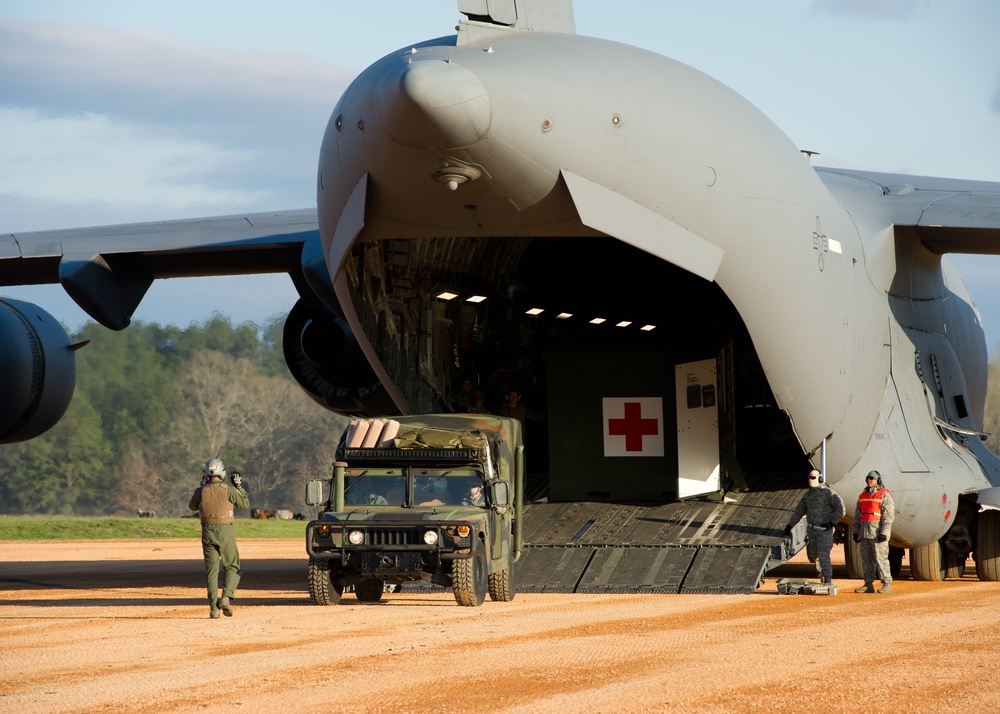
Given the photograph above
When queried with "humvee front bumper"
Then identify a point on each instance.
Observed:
(370, 543)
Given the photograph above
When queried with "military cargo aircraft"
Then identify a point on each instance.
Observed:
(687, 305)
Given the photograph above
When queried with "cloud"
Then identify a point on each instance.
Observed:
(883, 9)
(127, 125)
(150, 67)
(148, 166)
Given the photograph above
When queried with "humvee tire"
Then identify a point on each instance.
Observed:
(369, 590)
(322, 590)
(469, 578)
(502, 588)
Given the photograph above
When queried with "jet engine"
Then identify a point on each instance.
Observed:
(38, 364)
(324, 357)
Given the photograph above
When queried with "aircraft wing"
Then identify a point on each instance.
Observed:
(949, 215)
(107, 270)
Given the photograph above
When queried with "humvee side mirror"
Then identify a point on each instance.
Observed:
(314, 492)
(501, 494)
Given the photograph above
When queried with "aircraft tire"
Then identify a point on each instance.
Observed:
(988, 546)
(469, 577)
(322, 590)
(896, 560)
(927, 563)
(852, 559)
(954, 564)
(369, 590)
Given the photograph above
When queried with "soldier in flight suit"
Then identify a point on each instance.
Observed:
(215, 501)
(872, 528)
(824, 509)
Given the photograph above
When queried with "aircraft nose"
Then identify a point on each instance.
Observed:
(435, 104)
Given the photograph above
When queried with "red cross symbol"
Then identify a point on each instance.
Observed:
(633, 427)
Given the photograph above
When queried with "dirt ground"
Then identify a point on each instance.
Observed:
(123, 627)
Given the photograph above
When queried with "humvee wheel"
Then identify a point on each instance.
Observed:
(369, 590)
(469, 578)
(502, 585)
(322, 591)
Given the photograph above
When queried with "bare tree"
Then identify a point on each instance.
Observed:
(267, 426)
(138, 483)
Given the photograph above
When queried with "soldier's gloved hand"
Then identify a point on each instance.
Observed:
(881, 538)
(831, 525)
(787, 531)
(204, 479)
(237, 479)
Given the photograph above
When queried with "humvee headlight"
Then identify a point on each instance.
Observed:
(356, 537)
(430, 537)
(462, 531)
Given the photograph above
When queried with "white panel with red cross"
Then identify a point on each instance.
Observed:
(633, 426)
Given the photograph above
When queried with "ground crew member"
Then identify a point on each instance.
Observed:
(824, 509)
(872, 528)
(215, 500)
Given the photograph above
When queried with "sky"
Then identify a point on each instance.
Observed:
(116, 111)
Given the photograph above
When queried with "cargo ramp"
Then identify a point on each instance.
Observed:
(701, 546)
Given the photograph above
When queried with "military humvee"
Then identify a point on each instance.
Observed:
(436, 498)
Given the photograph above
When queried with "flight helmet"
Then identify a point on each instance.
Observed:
(215, 468)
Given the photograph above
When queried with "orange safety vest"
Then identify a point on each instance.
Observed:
(871, 505)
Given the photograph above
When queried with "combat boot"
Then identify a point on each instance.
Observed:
(214, 613)
(226, 606)
(866, 588)
(827, 580)
(886, 588)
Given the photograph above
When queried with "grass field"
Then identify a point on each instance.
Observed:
(14, 528)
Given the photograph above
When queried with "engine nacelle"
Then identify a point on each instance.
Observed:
(37, 371)
(324, 357)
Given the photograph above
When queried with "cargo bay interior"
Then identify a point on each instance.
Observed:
(566, 321)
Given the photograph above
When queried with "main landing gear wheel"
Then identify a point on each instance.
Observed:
(469, 578)
(322, 590)
(852, 559)
(927, 563)
(988, 545)
(896, 561)
(954, 564)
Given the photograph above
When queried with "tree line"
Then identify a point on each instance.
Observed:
(152, 404)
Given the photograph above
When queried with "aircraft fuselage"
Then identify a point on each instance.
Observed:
(527, 135)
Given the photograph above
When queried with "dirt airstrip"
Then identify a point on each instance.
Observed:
(123, 627)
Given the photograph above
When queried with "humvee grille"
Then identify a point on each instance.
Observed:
(390, 536)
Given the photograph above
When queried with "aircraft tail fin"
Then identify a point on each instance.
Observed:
(489, 17)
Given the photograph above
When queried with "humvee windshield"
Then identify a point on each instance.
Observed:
(428, 487)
